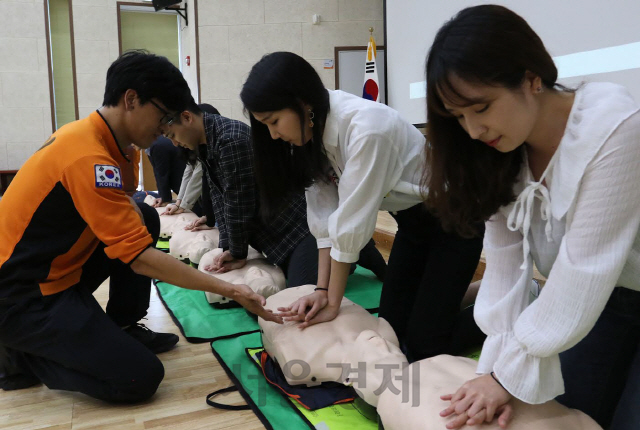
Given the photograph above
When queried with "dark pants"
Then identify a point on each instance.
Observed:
(428, 275)
(68, 342)
(602, 372)
(301, 267)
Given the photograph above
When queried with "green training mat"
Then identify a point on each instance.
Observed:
(269, 406)
(273, 409)
(198, 320)
(201, 322)
(349, 415)
(364, 289)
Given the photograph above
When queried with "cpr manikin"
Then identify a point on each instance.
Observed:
(192, 245)
(323, 347)
(173, 223)
(261, 276)
(361, 350)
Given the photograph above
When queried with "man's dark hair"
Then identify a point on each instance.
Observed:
(151, 76)
(206, 107)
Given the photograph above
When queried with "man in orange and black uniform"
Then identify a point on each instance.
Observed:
(67, 225)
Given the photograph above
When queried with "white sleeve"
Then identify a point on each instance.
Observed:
(191, 189)
(186, 176)
(503, 293)
(592, 254)
(322, 201)
(370, 173)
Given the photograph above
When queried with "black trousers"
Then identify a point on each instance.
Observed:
(601, 373)
(70, 343)
(301, 267)
(429, 272)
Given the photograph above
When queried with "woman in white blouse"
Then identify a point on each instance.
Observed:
(355, 157)
(555, 173)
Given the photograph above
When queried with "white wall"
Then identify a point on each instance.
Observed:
(566, 27)
(235, 34)
(188, 48)
(25, 111)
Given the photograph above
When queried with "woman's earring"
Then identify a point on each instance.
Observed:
(539, 89)
(291, 149)
(311, 116)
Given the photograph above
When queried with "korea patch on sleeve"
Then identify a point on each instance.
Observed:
(108, 176)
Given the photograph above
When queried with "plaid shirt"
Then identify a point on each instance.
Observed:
(228, 161)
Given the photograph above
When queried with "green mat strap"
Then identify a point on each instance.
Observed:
(222, 405)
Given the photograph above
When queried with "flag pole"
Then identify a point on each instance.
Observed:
(371, 87)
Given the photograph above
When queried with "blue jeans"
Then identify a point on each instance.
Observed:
(602, 372)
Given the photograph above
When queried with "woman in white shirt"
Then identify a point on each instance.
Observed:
(355, 157)
(555, 173)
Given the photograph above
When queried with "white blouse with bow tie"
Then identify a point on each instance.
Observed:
(581, 229)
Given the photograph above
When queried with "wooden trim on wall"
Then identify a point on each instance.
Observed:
(118, 9)
(337, 49)
(383, 239)
(6, 176)
(197, 36)
(49, 65)
(118, 4)
(73, 60)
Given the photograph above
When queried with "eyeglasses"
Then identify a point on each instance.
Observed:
(167, 118)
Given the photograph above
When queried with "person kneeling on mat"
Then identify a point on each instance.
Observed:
(67, 225)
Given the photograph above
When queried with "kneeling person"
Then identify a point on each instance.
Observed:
(67, 225)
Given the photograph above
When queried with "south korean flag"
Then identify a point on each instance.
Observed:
(108, 176)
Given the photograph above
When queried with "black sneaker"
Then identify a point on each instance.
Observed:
(18, 381)
(11, 376)
(156, 342)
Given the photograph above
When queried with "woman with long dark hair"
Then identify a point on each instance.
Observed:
(354, 157)
(555, 173)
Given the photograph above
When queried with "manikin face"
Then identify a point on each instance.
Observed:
(285, 124)
(500, 117)
(183, 132)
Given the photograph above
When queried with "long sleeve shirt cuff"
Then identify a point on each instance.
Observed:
(186, 205)
(345, 257)
(531, 379)
(324, 243)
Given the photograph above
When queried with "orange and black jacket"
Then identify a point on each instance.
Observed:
(64, 201)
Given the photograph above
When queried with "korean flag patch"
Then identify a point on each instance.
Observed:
(108, 176)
